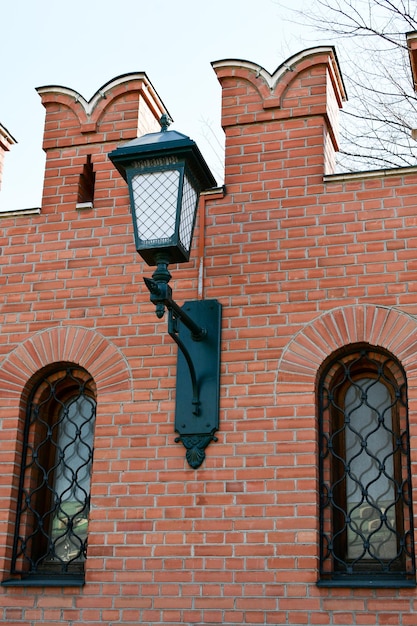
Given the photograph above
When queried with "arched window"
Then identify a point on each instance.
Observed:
(54, 493)
(366, 528)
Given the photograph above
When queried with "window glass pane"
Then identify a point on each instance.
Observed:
(72, 478)
(370, 488)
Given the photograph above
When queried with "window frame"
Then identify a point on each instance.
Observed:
(51, 392)
(337, 375)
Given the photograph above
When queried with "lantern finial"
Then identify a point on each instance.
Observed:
(164, 122)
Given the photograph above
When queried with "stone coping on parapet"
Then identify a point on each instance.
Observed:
(6, 139)
(363, 175)
(18, 212)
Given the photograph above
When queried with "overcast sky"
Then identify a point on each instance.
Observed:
(82, 44)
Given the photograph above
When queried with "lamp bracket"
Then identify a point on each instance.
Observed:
(173, 333)
(198, 366)
(198, 386)
(161, 296)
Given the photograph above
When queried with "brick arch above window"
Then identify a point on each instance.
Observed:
(74, 344)
(381, 326)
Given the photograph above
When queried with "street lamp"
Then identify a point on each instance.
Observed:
(165, 173)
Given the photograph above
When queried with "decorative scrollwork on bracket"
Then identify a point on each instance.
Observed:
(195, 446)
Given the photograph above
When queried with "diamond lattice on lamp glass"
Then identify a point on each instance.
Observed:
(155, 199)
(189, 200)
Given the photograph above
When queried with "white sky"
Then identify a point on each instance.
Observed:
(83, 44)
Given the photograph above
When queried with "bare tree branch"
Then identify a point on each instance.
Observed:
(370, 36)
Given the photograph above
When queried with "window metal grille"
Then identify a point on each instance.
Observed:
(366, 528)
(54, 493)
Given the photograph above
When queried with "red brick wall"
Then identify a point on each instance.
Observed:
(303, 263)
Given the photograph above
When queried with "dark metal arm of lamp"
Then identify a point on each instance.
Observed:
(199, 346)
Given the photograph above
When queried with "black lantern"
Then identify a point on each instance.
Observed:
(166, 172)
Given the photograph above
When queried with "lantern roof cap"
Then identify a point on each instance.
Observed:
(163, 144)
(162, 140)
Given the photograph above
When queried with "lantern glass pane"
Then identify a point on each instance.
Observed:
(189, 202)
(155, 199)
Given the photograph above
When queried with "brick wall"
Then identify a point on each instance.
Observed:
(303, 263)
